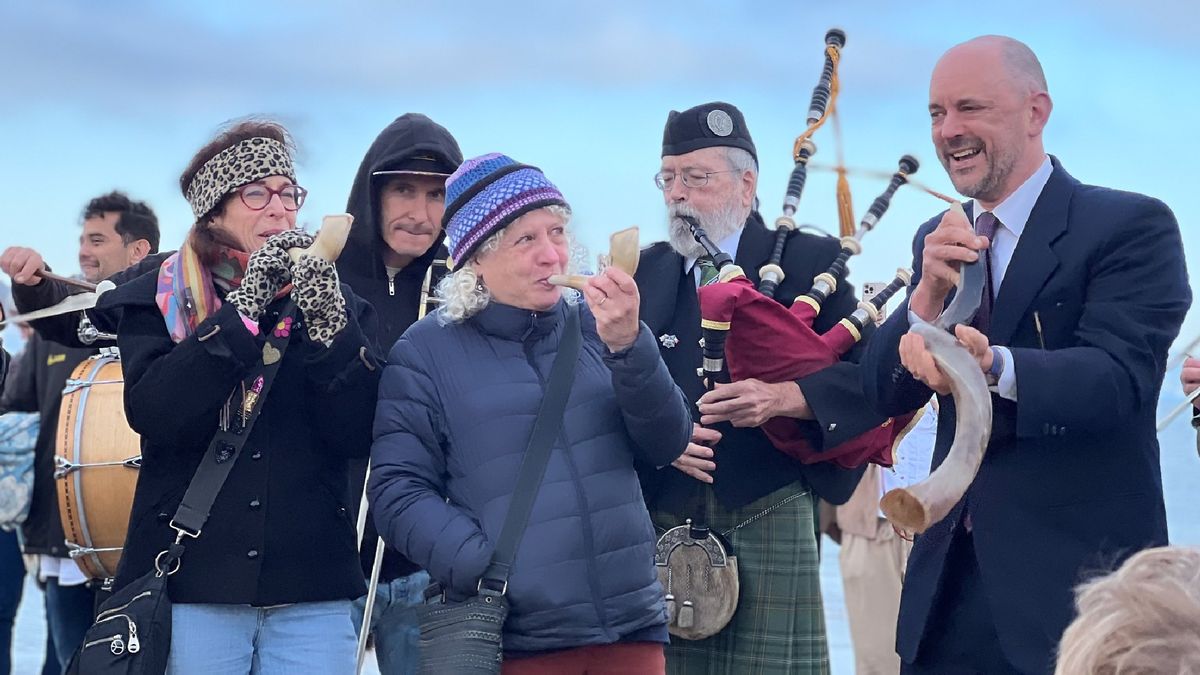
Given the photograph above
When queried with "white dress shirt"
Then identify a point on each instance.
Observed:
(914, 453)
(1013, 215)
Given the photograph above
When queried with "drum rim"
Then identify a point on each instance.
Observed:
(93, 554)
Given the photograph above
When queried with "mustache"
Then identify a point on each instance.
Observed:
(961, 142)
(675, 221)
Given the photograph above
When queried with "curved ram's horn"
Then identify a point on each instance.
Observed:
(330, 241)
(623, 253)
(918, 506)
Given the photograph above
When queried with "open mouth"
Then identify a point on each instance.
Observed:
(965, 154)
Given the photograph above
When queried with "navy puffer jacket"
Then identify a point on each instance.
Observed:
(456, 407)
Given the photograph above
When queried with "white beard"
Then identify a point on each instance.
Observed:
(718, 225)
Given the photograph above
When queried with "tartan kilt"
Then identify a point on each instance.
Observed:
(779, 625)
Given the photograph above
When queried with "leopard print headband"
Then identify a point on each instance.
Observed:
(252, 159)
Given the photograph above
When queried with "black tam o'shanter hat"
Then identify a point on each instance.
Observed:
(715, 124)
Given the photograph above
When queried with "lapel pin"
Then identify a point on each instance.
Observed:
(668, 341)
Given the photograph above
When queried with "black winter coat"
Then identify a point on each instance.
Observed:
(64, 328)
(397, 300)
(280, 531)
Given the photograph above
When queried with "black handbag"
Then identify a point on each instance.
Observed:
(131, 634)
(465, 638)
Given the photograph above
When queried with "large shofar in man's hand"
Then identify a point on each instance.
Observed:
(919, 506)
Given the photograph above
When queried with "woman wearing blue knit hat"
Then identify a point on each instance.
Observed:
(455, 433)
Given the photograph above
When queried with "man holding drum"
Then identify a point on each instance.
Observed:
(117, 232)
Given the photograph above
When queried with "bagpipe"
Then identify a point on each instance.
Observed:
(748, 334)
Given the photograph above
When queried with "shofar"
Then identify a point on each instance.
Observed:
(922, 504)
(330, 241)
(623, 253)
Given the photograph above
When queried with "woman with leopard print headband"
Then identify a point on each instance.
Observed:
(269, 583)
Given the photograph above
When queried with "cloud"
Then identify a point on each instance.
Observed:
(178, 57)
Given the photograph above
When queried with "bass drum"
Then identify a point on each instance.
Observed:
(96, 467)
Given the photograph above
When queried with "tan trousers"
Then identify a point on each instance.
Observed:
(872, 573)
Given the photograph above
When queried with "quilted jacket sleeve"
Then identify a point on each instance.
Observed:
(653, 407)
(406, 486)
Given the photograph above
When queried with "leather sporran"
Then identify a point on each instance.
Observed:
(700, 578)
(462, 637)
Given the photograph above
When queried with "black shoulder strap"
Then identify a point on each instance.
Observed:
(537, 454)
(227, 444)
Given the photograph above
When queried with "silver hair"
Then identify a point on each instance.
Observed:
(741, 160)
(461, 294)
(1142, 618)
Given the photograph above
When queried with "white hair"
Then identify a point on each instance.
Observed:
(462, 295)
(740, 160)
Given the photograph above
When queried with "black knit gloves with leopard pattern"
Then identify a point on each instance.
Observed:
(267, 272)
(319, 298)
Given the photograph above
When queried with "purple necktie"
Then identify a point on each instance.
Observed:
(985, 226)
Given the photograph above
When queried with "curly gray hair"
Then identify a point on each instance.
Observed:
(461, 294)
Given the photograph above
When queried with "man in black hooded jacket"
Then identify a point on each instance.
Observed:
(396, 243)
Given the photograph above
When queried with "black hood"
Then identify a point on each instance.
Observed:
(409, 135)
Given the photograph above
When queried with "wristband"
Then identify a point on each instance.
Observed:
(997, 363)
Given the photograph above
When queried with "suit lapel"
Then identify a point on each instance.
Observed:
(1033, 260)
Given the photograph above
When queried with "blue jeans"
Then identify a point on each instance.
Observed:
(394, 622)
(12, 582)
(307, 637)
(69, 613)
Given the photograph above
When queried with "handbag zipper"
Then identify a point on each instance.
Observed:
(101, 615)
(115, 644)
(135, 645)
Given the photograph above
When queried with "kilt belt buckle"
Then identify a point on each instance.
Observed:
(701, 581)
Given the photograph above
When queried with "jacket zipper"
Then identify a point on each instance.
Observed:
(391, 285)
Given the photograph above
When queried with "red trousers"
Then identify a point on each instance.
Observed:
(622, 658)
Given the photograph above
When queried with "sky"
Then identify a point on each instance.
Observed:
(97, 96)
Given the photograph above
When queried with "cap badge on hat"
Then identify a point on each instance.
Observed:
(720, 123)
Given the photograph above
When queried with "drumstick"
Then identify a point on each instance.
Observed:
(1162, 424)
(50, 276)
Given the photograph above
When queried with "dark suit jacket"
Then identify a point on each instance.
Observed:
(748, 466)
(1070, 484)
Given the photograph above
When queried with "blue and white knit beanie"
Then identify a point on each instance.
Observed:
(487, 193)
